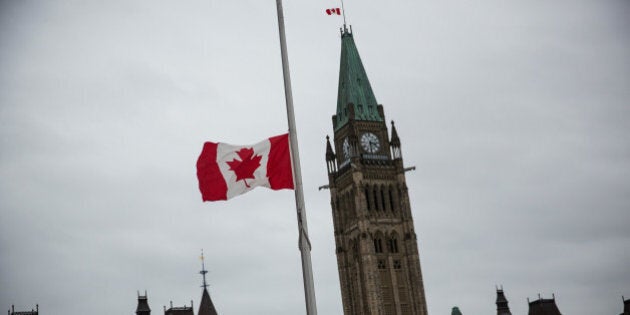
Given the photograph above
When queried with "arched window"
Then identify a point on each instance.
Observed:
(377, 204)
(383, 204)
(367, 198)
(350, 206)
(391, 199)
(378, 245)
(392, 243)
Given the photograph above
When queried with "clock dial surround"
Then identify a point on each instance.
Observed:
(370, 143)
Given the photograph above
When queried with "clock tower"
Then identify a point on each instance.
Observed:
(376, 244)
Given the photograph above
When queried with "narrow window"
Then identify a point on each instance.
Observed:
(383, 200)
(391, 200)
(376, 203)
(392, 245)
(378, 246)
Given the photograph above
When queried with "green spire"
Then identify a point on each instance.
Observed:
(354, 86)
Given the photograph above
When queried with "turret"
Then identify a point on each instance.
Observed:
(143, 305)
(394, 143)
(502, 303)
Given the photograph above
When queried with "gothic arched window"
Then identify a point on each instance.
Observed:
(367, 198)
(392, 245)
(391, 199)
(378, 245)
(383, 204)
(377, 204)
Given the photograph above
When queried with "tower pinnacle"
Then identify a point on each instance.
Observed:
(206, 307)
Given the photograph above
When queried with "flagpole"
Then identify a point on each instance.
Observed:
(304, 243)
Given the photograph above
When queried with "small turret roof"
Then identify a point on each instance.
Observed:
(206, 307)
(502, 303)
(354, 86)
(143, 305)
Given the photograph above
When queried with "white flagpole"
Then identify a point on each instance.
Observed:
(303, 241)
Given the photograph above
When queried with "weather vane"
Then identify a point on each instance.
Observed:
(203, 271)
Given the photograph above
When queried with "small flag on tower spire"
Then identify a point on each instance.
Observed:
(333, 11)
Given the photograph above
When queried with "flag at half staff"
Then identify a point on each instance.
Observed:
(225, 171)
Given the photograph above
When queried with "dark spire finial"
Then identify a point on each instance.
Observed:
(203, 271)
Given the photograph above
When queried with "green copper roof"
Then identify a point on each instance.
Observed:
(354, 86)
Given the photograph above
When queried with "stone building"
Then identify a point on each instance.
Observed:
(179, 310)
(34, 311)
(376, 243)
(543, 306)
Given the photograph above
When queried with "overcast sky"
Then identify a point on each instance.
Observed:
(515, 114)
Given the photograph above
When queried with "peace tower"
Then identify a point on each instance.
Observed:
(376, 246)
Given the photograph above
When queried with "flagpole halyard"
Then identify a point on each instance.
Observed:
(303, 241)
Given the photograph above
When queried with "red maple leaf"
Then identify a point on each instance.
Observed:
(246, 167)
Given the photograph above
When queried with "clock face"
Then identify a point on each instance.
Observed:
(370, 142)
(346, 148)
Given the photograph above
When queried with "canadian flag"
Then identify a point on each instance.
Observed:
(333, 11)
(225, 171)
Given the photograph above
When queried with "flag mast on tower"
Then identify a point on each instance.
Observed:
(343, 11)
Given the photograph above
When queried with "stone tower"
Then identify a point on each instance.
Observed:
(376, 245)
